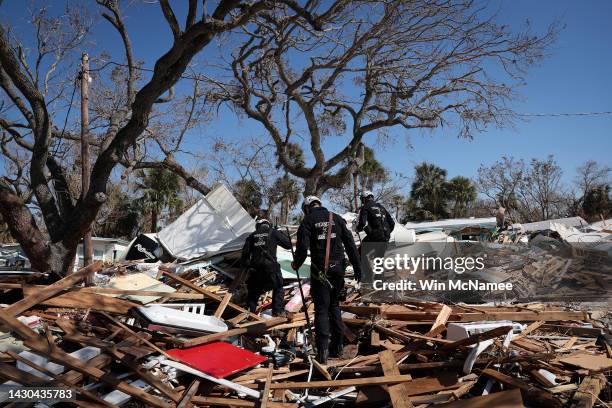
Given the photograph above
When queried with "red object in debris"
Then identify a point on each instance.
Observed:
(218, 359)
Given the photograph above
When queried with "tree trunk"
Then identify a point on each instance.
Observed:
(356, 190)
(154, 221)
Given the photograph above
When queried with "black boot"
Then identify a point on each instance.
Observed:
(336, 350)
(322, 354)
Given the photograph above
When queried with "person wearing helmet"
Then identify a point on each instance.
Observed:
(326, 271)
(259, 256)
(377, 223)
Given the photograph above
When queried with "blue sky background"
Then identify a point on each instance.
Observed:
(577, 77)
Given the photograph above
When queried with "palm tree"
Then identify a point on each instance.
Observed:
(430, 190)
(462, 192)
(249, 195)
(285, 191)
(160, 190)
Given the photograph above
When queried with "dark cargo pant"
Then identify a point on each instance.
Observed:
(262, 279)
(328, 316)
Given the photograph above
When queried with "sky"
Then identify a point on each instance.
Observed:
(575, 78)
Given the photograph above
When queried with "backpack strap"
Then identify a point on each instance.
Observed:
(328, 242)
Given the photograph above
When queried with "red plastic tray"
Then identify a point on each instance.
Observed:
(218, 359)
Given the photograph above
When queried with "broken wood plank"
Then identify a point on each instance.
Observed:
(265, 394)
(593, 363)
(440, 323)
(588, 391)
(223, 305)
(503, 399)
(415, 386)
(532, 327)
(397, 392)
(139, 337)
(478, 337)
(321, 369)
(531, 395)
(191, 391)
(53, 353)
(209, 294)
(58, 379)
(256, 328)
(51, 290)
(83, 300)
(234, 402)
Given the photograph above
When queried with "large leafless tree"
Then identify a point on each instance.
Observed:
(36, 183)
(377, 65)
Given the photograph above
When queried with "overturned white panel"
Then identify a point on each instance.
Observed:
(217, 223)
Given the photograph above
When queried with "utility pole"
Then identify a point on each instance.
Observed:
(85, 162)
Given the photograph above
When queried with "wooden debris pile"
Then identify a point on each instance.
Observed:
(417, 354)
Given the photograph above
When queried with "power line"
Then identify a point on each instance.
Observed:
(195, 78)
(566, 114)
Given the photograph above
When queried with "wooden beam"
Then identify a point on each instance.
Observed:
(34, 341)
(408, 337)
(235, 402)
(415, 386)
(209, 294)
(478, 337)
(440, 324)
(223, 305)
(58, 379)
(265, 394)
(503, 399)
(85, 300)
(587, 393)
(255, 329)
(397, 392)
(191, 391)
(51, 290)
(531, 395)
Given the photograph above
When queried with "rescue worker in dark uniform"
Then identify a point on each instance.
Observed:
(377, 223)
(325, 288)
(259, 255)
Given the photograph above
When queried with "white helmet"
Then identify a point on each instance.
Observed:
(366, 194)
(308, 201)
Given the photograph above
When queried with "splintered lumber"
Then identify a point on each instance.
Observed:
(588, 391)
(138, 336)
(84, 300)
(191, 391)
(254, 328)
(588, 361)
(531, 395)
(440, 323)
(57, 379)
(265, 394)
(533, 326)
(415, 386)
(408, 337)
(478, 337)
(209, 294)
(55, 354)
(503, 399)
(517, 316)
(223, 304)
(398, 392)
(51, 290)
(233, 402)
(321, 369)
